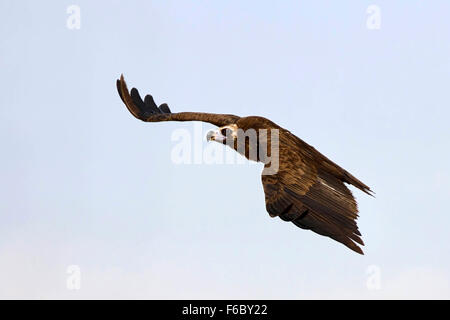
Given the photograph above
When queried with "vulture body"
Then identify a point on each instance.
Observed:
(307, 188)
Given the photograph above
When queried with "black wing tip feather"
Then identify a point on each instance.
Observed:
(351, 241)
(141, 109)
(350, 179)
(367, 190)
(357, 250)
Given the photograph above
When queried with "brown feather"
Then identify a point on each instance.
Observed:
(308, 188)
(316, 199)
(149, 112)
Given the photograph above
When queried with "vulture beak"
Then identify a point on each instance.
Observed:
(215, 135)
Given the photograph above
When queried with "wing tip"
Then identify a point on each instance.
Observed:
(145, 110)
(125, 96)
(130, 99)
(367, 190)
(352, 244)
(164, 108)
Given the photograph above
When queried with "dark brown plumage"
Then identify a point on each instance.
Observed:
(308, 189)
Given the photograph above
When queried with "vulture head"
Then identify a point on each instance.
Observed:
(225, 135)
(246, 136)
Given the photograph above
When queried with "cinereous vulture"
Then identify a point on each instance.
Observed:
(307, 188)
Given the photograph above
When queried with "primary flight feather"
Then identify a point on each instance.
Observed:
(306, 188)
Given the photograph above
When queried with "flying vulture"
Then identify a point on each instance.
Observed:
(306, 188)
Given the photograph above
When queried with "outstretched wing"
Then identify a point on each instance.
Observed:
(147, 110)
(304, 193)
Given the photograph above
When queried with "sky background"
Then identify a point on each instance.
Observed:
(84, 183)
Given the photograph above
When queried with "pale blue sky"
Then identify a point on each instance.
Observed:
(84, 183)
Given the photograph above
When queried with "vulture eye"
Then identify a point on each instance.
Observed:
(224, 132)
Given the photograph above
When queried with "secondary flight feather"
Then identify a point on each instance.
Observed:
(307, 188)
